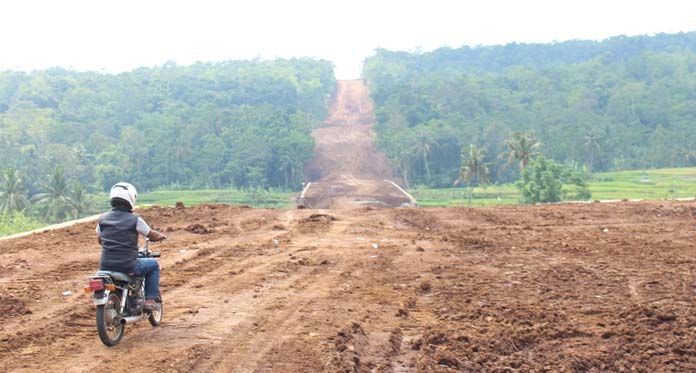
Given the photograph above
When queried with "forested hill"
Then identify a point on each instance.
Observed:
(622, 103)
(498, 58)
(237, 123)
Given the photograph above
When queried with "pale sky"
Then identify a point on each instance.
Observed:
(119, 35)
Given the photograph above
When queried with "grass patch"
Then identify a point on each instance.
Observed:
(255, 198)
(17, 222)
(505, 194)
(640, 184)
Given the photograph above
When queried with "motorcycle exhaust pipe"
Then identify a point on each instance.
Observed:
(130, 319)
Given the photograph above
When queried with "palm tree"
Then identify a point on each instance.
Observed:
(522, 147)
(12, 192)
(285, 166)
(423, 145)
(55, 202)
(592, 145)
(80, 202)
(474, 169)
(687, 155)
(402, 161)
(290, 164)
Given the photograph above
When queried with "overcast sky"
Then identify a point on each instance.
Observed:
(119, 35)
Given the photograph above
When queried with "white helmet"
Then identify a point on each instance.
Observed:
(124, 191)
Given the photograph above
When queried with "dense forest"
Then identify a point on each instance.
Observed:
(622, 103)
(229, 124)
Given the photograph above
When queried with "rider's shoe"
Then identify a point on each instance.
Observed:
(151, 304)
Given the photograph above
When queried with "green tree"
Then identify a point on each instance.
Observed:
(592, 147)
(54, 203)
(80, 202)
(423, 146)
(541, 182)
(402, 161)
(473, 170)
(12, 192)
(522, 147)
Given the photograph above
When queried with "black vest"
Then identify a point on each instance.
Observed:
(119, 236)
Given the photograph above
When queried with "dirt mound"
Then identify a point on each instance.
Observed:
(594, 287)
(350, 344)
(315, 223)
(198, 229)
(325, 218)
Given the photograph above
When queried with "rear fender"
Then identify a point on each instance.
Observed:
(100, 297)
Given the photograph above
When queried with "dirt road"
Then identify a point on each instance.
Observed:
(603, 287)
(347, 170)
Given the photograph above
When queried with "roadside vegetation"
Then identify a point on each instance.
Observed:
(260, 198)
(637, 184)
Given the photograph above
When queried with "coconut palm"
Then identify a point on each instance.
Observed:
(473, 170)
(286, 166)
(54, 203)
(12, 192)
(424, 143)
(522, 148)
(402, 161)
(290, 162)
(80, 202)
(592, 146)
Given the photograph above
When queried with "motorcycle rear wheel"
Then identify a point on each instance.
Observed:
(108, 321)
(155, 317)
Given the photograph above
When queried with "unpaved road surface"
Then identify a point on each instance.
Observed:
(594, 287)
(347, 170)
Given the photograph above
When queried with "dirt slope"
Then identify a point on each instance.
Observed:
(347, 170)
(598, 287)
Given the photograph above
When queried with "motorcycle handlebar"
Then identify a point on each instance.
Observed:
(145, 251)
(149, 254)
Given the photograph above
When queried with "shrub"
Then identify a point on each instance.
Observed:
(542, 182)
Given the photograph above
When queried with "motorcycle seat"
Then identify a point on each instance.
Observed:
(118, 276)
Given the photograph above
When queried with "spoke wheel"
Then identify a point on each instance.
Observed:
(108, 325)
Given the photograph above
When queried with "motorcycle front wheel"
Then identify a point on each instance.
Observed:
(108, 321)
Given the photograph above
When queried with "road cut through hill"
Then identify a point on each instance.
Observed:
(347, 170)
(592, 287)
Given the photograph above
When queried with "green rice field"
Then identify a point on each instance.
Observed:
(641, 184)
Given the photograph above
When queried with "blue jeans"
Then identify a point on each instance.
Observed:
(149, 268)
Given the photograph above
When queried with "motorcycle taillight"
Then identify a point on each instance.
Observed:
(96, 284)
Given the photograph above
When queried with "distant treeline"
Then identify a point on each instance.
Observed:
(209, 125)
(623, 103)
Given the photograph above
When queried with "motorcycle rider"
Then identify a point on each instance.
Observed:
(117, 232)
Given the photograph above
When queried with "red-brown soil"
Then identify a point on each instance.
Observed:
(580, 287)
(347, 170)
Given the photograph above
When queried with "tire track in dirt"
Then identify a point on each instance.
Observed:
(401, 290)
(38, 339)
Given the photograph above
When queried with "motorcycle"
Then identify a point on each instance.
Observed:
(119, 298)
